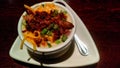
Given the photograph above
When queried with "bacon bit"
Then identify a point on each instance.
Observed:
(44, 43)
(24, 31)
(67, 32)
(38, 41)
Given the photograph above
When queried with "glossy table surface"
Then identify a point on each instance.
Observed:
(101, 17)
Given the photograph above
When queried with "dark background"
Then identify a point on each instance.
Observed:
(101, 17)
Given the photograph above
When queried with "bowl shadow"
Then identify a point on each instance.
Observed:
(42, 59)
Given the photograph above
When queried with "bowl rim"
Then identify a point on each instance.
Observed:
(28, 44)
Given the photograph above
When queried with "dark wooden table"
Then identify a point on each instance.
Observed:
(101, 17)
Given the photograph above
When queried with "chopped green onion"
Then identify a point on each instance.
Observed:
(64, 38)
(63, 19)
(58, 41)
(55, 27)
(24, 22)
(49, 45)
(51, 26)
(44, 31)
(49, 33)
(64, 12)
(55, 13)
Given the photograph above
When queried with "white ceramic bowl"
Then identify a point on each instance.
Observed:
(53, 50)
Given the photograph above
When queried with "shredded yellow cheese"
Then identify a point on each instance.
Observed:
(47, 7)
(22, 43)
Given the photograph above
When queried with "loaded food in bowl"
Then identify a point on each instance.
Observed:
(46, 27)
